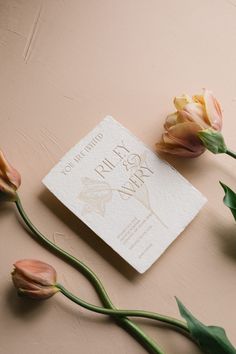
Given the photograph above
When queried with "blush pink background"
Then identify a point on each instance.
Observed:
(64, 65)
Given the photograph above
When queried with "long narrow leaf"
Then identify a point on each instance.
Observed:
(211, 339)
(229, 199)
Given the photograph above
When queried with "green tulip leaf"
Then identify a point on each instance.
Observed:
(229, 199)
(211, 339)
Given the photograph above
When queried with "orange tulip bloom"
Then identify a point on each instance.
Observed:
(193, 115)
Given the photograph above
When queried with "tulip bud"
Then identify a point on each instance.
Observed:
(10, 181)
(34, 279)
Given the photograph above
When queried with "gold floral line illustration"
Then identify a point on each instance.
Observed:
(96, 194)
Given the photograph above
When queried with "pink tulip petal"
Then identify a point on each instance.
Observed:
(182, 140)
(8, 173)
(213, 110)
(40, 294)
(197, 113)
(178, 151)
(21, 282)
(37, 271)
(184, 117)
(7, 193)
(176, 118)
(171, 120)
(185, 134)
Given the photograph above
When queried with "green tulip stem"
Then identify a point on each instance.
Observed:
(117, 312)
(126, 323)
(231, 153)
(106, 311)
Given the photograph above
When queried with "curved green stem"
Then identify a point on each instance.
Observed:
(38, 236)
(105, 311)
(91, 276)
(231, 153)
(114, 312)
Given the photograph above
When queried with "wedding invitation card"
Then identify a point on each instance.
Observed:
(137, 203)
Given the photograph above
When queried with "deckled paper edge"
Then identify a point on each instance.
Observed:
(110, 118)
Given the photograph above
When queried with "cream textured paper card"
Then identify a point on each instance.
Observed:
(137, 203)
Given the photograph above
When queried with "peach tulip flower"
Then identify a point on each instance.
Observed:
(34, 279)
(201, 113)
(10, 180)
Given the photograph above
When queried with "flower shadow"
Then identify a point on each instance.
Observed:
(23, 307)
(86, 234)
(226, 236)
(208, 163)
(5, 209)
